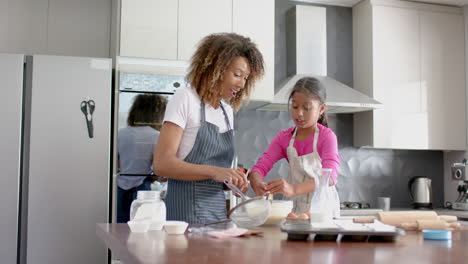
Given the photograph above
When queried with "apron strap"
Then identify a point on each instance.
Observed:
(291, 142)
(225, 116)
(316, 135)
(203, 116)
(316, 138)
(202, 112)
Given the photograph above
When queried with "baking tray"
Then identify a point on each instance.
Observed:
(340, 231)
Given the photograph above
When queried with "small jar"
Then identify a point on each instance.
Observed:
(149, 207)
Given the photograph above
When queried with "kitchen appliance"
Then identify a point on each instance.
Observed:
(11, 74)
(420, 191)
(132, 84)
(55, 172)
(459, 173)
(141, 77)
(306, 29)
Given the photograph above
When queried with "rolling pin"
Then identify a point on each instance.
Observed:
(448, 218)
(428, 224)
(396, 218)
(364, 220)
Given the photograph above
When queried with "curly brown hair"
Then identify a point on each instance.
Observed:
(214, 54)
(147, 110)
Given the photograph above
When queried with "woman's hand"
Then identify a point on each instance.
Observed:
(234, 176)
(281, 186)
(257, 183)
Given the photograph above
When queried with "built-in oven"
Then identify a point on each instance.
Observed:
(132, 84)
(129, 86)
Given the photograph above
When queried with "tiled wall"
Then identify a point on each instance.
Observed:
(364, 174)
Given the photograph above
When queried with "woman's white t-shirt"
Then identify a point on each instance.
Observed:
(183, 109)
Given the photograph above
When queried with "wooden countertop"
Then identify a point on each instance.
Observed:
(273, 247)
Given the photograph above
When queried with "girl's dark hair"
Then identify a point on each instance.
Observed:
(147, 110)
(314, 88)
(214, 54)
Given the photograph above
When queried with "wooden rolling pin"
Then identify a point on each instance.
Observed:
(406, 217)
(428, 224)
(399, 217)
(448, 218)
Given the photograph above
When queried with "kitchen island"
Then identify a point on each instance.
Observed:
(273, 247)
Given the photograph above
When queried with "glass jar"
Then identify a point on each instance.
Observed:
(149, 207)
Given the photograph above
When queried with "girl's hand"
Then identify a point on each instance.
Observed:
(257, 183)
(280, 186)
(234, 176)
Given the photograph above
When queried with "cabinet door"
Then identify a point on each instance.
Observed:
(262, 31)
(23, 26)
(198, 19)
(402, 123)
(443, 77)
(78, 28)
(149, 29)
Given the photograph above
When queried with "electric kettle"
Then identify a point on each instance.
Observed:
(420, 191)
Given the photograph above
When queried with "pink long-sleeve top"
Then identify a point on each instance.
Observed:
(327, 147)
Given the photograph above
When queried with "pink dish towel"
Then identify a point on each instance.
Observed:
(231, 232)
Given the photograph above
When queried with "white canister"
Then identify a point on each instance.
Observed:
(149, 207)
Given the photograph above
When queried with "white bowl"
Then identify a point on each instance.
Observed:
(139, 226)
(175, 227)
(156, 225)
(279, 210)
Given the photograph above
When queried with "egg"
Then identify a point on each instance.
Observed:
(292, 215)
(303, 216)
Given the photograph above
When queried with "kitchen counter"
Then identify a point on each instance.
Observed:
(273, 247)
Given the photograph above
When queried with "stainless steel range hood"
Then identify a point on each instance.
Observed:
(307, 56)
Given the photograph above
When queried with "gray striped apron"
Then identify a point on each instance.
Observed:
(202, 201)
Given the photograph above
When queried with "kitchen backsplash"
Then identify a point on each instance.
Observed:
(364, 173)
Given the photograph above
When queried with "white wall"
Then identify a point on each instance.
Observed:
(56, 27)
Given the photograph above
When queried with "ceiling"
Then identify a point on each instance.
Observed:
(350, 3)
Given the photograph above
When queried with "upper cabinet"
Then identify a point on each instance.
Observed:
(246, 22)
(55, 27)
(198, 19)
(171, 30)
(410, 57)
(148, 29)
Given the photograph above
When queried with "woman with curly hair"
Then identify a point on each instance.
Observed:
(195, 148)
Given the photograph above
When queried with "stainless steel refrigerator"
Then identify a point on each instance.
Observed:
(11, 87)
(62, 158)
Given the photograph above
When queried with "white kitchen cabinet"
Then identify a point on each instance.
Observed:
(246, 22)
(170, 29)
(149, 29)
(198, 19)
(410, 57)
(443, 74)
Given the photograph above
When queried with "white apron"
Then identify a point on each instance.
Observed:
(302, 168)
